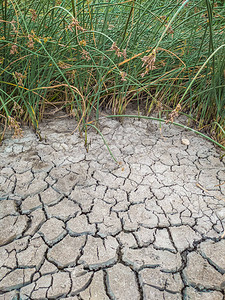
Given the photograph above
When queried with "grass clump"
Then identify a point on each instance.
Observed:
(82, 56)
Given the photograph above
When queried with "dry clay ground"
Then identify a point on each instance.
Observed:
(75, 225)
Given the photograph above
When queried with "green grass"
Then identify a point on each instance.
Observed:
(85, 56)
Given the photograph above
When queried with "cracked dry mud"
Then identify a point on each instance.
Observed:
(75, 225)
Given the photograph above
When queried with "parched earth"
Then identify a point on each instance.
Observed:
(76, 225)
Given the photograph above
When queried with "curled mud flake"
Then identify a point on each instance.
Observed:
(185, 142)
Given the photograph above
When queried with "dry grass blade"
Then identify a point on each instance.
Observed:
(208, 192)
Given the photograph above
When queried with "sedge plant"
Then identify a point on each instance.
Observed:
(87, 56)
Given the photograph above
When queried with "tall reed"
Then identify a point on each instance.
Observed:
(85, 56)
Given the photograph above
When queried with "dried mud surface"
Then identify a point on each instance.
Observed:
(75, 225)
